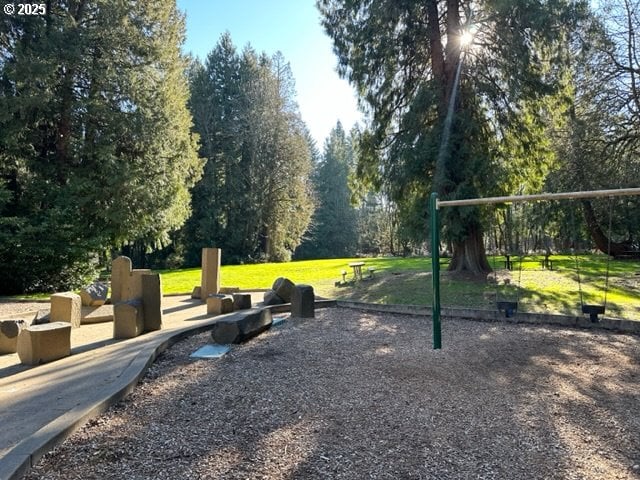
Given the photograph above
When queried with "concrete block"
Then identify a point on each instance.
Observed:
(272, 298)
(244, 326)
(210, 282)
(303, 302)
(283, 288)
(229, 290)
(94, 295)
(241, 301)
(41, 316)
(126, 283)
(120, 273)
(196, 292)
(134, 286)
(128, 319)
(152, 301)
(66, 307)
(219, 304)
(44, 343)
(9, 331)
(103, 313)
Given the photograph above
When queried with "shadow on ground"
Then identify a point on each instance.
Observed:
(359, 395)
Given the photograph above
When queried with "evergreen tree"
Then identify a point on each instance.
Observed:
(95, 142)
(335, 232)
(253, 200)
(405, 57)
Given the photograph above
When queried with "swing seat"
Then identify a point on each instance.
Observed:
(593, 311)
(509, 308)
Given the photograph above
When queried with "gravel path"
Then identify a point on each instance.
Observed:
(354, 395)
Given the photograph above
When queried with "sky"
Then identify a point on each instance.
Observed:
(292, 27)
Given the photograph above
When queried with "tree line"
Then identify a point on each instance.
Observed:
(113, 141)
(95, 141)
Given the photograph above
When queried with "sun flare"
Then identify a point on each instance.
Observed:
(466, 38)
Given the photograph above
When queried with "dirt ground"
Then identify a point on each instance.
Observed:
(353, 395)
(10, 308)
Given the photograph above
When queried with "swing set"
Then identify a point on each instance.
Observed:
(510, 307)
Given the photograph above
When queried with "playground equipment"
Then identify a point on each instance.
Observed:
(592, 310)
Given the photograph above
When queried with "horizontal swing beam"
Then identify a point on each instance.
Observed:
(621, 192)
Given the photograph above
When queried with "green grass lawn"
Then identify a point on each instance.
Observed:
(322, 274)
(408, 281)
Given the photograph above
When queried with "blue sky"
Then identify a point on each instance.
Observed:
(293, 27)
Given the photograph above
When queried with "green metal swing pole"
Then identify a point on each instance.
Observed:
(435, 271)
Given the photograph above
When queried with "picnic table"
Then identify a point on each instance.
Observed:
(357, 269)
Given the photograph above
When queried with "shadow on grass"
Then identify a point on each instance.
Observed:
(560, 291)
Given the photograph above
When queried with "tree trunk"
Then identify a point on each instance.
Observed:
(469, 255)
(598, 236)
(437, 55)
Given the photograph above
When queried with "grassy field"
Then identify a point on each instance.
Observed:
(408, 281)
(322, 274)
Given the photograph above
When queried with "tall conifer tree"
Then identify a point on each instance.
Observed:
(95, 142)
(253, 200)
(404, 58)
(334, 231)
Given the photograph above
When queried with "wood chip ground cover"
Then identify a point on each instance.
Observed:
(353, 395)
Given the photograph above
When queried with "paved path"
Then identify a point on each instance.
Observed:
(41, 405)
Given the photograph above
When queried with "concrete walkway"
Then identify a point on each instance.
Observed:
(41, 405)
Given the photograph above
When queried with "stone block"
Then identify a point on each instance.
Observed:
(94, 295)
(120, 273)
(219, 304)
(229, 290)
(134, 287)
(272, 298)
(128, 319)
(303, 302)
(196, 292)
(283, 288)
(9, 331)
(126, 283)
(41, 317)
(152, 301)
(44, 343)
(241, 301)
(210, 280)
(103, 313)
(66, 307)
(244, 326)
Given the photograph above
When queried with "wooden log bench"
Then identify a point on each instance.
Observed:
(44, 343)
